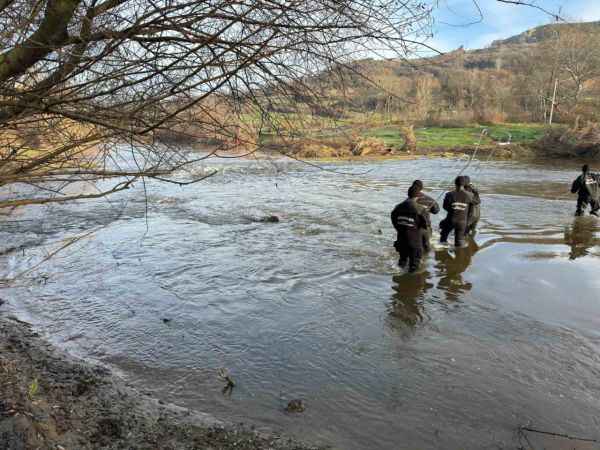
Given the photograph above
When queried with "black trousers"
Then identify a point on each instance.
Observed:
(472, 227)
(473, 219)
(460, 231)
(583, 202)
(409, 253)
(426, 235)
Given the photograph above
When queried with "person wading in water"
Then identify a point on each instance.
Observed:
(408, 218)
(431, 207)
(587, 190)
(475, 209)
(457, 203)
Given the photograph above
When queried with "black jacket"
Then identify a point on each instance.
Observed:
(458, 203)
(475, 209)
(587, 188)
(429, 205)
(408, 218)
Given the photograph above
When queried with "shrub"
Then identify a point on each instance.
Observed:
(569, 142)
(369, 146)
(449, 119)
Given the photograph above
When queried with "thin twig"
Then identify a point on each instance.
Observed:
(550, 433)
(70, 242)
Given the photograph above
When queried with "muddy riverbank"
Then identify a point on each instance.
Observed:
(495, 152)
(51, 401)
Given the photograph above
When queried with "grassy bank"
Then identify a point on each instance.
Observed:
(451, 138)
(309, 136)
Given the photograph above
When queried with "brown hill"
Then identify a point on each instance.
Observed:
(512, 79)
(545, 32)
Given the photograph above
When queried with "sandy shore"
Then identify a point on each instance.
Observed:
(50, 400)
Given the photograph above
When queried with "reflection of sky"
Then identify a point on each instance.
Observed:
(454, 20)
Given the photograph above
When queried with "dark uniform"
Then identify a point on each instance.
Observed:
(474, 210)
(457, 203)
(587, 190)
(430, 206)
(408, 218)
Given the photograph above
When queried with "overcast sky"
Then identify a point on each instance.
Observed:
(452, 28)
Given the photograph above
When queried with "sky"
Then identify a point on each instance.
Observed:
(454, 20)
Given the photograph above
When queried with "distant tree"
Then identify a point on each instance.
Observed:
(423, 95)
(578, 55)
(571, 58)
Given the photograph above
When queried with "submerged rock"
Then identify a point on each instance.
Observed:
(295, 406)
(263, 219)
(270, 219)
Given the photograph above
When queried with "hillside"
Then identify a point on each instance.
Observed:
(511, 80)
(544, 32)
(374, 106)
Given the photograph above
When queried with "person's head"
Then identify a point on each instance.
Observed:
(467, 180)
(459, 182)
(418, 184)
(585, 168)
(413, 192)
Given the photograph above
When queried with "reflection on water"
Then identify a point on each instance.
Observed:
(502, 333)
(581, 236)
(409, 298)
(451, 264)
(407, 303)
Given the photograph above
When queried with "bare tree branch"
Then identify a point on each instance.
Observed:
(555, 16)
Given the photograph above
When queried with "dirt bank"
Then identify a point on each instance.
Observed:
(516, 152)
(51, 401)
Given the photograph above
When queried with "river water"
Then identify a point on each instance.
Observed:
(501, 334)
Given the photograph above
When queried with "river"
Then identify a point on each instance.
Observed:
(179, 283)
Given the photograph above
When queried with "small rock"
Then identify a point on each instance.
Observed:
(271, 219)
(166, 320)
(295, 406)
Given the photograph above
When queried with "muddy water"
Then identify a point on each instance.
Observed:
(482, 340)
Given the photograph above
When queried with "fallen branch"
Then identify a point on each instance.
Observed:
(550, 433)
(41, 201)
(69, 242)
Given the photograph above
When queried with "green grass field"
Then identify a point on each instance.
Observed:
(434, 137)
(438, 137)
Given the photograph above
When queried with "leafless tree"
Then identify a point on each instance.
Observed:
(565, 63)
(93, 89)
(578, 58)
